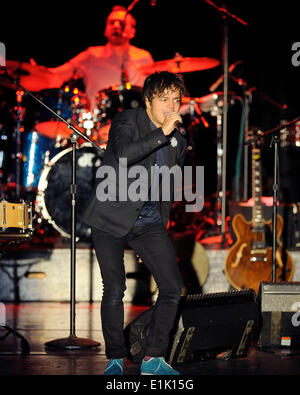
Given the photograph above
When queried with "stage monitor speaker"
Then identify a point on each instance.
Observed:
(280, 314)
(207, 326)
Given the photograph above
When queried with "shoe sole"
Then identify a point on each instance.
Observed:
(153, 374)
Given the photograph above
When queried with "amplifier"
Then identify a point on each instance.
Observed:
(207, 326)
(280, 314)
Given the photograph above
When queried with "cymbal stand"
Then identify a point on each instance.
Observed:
(72, 342)
(19, 97)
(217, 112)
(225, 124)
(225, 14)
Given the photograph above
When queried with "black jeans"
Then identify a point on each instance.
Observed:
(153, 244)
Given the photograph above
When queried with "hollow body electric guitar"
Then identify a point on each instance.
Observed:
(249, 261)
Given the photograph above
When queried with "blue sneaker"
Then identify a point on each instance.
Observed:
(114, 367)
(157, 366)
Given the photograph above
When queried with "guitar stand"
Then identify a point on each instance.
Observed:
(275, 141)
(24, 343)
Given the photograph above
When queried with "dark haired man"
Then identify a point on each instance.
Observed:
(142, 138)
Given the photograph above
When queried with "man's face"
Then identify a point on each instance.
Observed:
(163, 104)
(119, 30)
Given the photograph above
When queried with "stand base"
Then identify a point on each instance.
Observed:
(71, 343)
(24, 343)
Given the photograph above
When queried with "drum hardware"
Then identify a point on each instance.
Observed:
(231, 68)
(88, 121)
(68, 103)
(19, 98)
(225, 15)
(71, 342)
(247, 98)
(117, 98)
(191, 106)
(290, 136)
(180, 64)
(96, 129)
(24, 343)
(213, 103)
(109, 102)
(4, 156)
(8, 239)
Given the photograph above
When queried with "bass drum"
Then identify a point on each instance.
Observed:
(54, 198)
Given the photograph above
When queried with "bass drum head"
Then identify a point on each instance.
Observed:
(54, 197)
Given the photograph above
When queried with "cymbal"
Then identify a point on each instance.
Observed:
(32, 77)
(180, 65)
(52, 129)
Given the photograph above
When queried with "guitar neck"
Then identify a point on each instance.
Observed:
(257, 213)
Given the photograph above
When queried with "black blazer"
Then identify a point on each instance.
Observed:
(131, 137)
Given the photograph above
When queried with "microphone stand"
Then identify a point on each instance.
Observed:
(72, 342)
(225, 14)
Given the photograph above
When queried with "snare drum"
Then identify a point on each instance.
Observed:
(15, 216)
(54, 198)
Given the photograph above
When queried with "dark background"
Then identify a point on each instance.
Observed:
(51, 33)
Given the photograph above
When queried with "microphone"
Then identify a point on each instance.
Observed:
(179, 126)
(220, 80)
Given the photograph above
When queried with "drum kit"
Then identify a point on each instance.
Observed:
(43, 149)
(43, 154)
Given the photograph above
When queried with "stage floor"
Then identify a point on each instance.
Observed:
(42, 322)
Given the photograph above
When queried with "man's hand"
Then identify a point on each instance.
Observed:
(169, 123)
